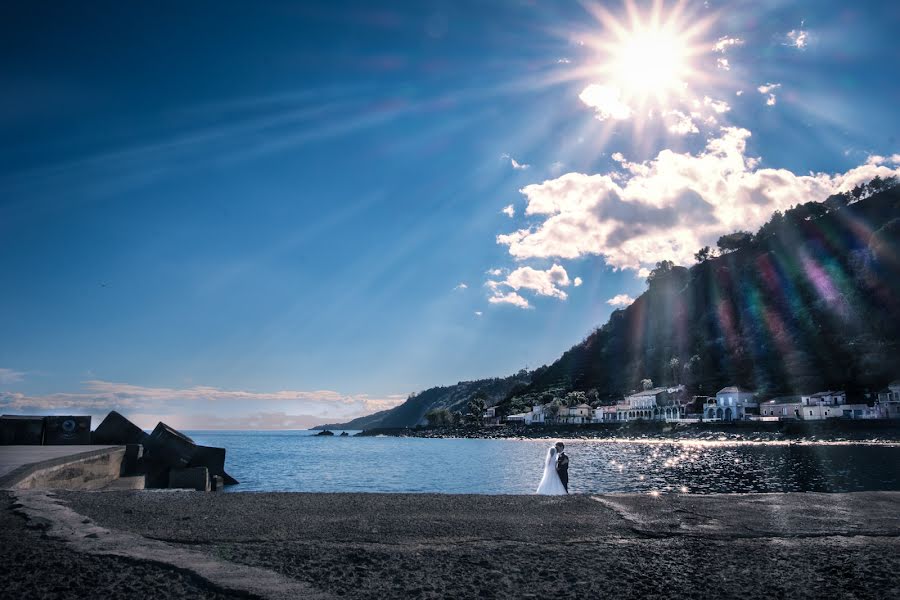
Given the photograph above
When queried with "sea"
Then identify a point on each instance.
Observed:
(300, 461)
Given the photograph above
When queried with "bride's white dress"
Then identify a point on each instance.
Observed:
(550, 484)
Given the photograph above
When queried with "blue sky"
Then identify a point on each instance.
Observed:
(236, 214)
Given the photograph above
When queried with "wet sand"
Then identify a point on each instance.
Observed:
(443, 546)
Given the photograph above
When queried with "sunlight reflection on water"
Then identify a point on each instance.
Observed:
(299, 461)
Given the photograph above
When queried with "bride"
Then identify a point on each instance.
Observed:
(550, 484)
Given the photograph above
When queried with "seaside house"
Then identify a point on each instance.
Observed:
(889, 401)
(605, 414)
(574, 415)
(733, 404)
(654, 404)
(780, 408)
(491, 416)
(828, 398)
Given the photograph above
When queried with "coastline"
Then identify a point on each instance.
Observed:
(811, 431)
(454, 546)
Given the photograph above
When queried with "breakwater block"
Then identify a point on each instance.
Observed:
(169, 446)
(116, 429)
(133, 459)
(60, 431)
(193, 478)
(21, 430)
(216, 483)
(214, 460)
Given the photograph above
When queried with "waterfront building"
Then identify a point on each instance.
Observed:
(574, 415)
(889, 401)
(781, 408)
(654, 404)
(491, 416)
(733, 404)
(824, 398)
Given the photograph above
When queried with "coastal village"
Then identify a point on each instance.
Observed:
(730, 404)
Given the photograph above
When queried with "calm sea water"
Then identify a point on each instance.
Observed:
(300, 461)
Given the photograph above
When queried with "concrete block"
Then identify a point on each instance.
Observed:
(216, 483)
(133, 461)
(156, 474)
(170, 447)
(116, 429)
(19, 430)
(62, 431)
(193, 478)
(213, 459)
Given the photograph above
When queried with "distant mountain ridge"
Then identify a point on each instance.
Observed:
(810, 302)
(452, 397)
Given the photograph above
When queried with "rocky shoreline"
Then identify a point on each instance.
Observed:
(821, 431)
(429, 546)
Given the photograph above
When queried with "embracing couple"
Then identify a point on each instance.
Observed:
(556, 472)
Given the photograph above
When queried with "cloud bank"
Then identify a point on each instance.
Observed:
(664, 208)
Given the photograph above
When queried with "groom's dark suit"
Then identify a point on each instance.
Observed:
(562, 468)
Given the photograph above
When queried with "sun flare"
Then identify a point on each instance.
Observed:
(646, 61)
(650, 61)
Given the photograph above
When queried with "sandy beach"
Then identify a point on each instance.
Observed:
(444, 546)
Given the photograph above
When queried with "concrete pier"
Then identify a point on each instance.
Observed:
(65, 467)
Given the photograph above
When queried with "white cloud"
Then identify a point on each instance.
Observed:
(478, 313)
(620, 300)
(643, 273)
(514, 163)
(11, 376)
(563, 61)
(666, 207)
(680, 123)
(798, 38)
(768, 91)
(719, 106)
(509, 210)
(495, 272)
(99, 395)
(739, 93)
(725, 42)
(510, 298)
(577, 282)
(722, 63)
(543, 283)
(460, 286)
(557, 167)
(607, 102)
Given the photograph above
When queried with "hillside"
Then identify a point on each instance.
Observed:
(810, 302)
(452, 397)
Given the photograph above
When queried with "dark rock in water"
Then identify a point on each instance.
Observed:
(193, 478)
(59, 431)
(344, 434)
(214, 460)
(325, 432)
(21, 430)
(170, 447)
(116, 429)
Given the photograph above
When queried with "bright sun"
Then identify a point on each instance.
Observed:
(645, 59)
(650, 61)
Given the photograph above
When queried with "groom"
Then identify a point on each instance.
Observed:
(562, 465)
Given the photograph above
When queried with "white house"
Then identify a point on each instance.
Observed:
(889, 401)
(824, 398)
(656, 403)
(490, 416)
(576, 415)
(782, 407)
(732, 404)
